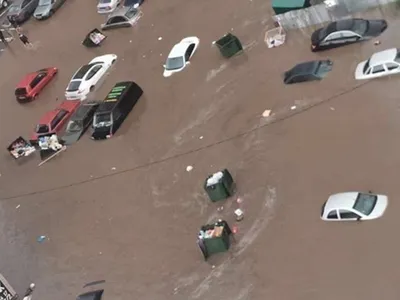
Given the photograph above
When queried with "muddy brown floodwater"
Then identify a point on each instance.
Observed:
(126, 211)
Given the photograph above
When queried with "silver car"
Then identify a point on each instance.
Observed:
(122, 17)
(46, 8)
(21, 10)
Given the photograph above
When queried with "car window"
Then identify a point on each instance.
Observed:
(345, 214)
(25, 3)
(57, 119)
(20, 92)
(116, 113)
(347, 34)
(116, 20)
(42, 128)
(333, 36)
(391, 66)
(378, 69)
(37, 79)
(332, 214)
(131, 13)
(189, 52)
(397, 59)
(74, 126)
(365, 203)
(93, 72)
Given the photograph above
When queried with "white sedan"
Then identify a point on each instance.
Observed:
(354, 206)
(88, 77)
(107, 6)
(180, 55)
(380, 64)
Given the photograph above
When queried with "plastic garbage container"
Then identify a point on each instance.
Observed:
(229, 45)
(219, 186)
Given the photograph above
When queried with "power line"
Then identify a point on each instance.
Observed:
(159, 161)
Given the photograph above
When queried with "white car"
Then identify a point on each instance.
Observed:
(107, 6)
(88, 77)
(354, 206)
(180, 55)
(380, 64)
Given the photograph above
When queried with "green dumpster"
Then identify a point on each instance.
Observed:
(282, 6)
(214, 238)
(219, 186)
(229, 45)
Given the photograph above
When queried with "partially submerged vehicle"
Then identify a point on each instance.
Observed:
(122, 17)
(308, 71)
(79, 122)
(115, 108)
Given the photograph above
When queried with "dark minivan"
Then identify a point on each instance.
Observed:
(116, 106)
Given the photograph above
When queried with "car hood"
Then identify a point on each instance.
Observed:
(71, 137)
(315, 37)
(376, 27)
(42, 10)
(168, 73)
(101, 133)
(359, 74)
(380, 207)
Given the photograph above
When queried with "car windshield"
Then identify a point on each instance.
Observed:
(14, 8)
(102, 120)
(20, 92)
(74, 126)
(73, 86)
(44, 2)
(174, 63)
(360, 26)
(42, 128)
(104, 1)
(131, 13)
(365, 203)
(366, 67)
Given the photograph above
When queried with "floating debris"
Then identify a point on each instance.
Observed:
(266, 113)
(189, 168)
(293, 107)
(41, 239)
(18, 206)
(160, 38)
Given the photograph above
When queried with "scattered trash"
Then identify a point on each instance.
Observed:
(239, 214)
(235, 229)
(293, 107)
(332, 108)
(212, 267)
(100, 253)
(266, 113)
(113, 168)
(18, 206)
(160, 54)
(376, 43)
(200, 138)
(41, 239)
(239, 200)
(144, 56)
(220, 208)
(213, 43)
(160, 38)
(189, 168)
(130, 41)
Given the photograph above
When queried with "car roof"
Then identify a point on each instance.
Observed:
(341, 201)
(82, 111)
(82, 71)
(93, 295)
(120, 11)
(29, 77)
(178, 50)
(383, 56)
(308, 67)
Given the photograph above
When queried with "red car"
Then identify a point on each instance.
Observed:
(53, 121)
(32, 84)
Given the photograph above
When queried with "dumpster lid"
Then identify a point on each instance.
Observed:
(288, 3)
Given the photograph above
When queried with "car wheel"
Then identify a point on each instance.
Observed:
(5, 3)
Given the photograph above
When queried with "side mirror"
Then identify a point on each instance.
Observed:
(188, 62)
(358, 219)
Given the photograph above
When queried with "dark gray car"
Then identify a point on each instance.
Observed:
(308, 71)
(122, 17)
(79, 123)
(21, 10)
(46, 8)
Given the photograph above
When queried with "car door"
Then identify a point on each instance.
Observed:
(392, 68)
(332, 39)
(87, 121)
(349, 37)
(347, 215)
(25, 8)
(116, 22)
(333, 215)
(38, 83)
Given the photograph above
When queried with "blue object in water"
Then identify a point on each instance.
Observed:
(41, 239)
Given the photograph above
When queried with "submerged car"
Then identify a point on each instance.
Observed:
(308, 71)
(122, 17)
(92, 295)
(345, 32)
(21, 10)
(88, 77)
(380, 64)
(53, 121)
(46, 8)
(354, 206)
(33, 83)
(79, 122)
(180, 55)
(107, 6)
(133, 3)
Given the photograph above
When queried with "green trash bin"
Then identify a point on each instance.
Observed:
(229, 45)
(214, 238)
(219, 186)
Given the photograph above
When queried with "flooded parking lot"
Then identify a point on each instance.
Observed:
(125, 210)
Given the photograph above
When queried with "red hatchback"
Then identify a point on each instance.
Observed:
(32, 84)
(54, 120)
